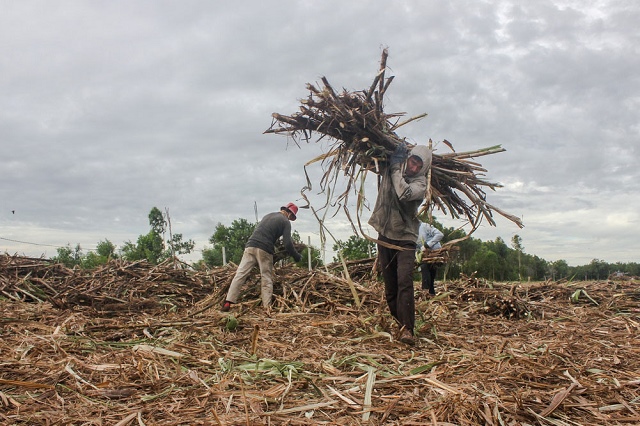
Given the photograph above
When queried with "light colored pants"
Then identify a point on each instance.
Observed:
(251, 257)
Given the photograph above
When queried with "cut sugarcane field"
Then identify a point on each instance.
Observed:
(140, 344)
(134, 343)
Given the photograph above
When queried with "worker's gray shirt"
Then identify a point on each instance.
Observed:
(271, 227)
(399, 197)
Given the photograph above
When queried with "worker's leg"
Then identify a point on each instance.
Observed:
(433, 270)
(428, 271)
(265, 261)
(405, 304)
(248, 261)
(426, 275)
(387, 260)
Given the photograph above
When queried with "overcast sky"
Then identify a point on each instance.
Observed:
(109, 108)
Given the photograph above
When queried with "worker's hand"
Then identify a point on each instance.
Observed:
(399, 155)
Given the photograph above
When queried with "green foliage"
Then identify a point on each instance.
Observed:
(596, 270)
(179, 246)
(486, 263)
(157, 221)
(75, 257)
(516, 244)
(466, 250)
(210, 257)
(105, 251)
(232, 238)
(316, 259)
(92, 260)
(152, 246)
(149, 247)
(68, 256)
(354, 248)
(559, 269)
(493, 260)
(632, 268)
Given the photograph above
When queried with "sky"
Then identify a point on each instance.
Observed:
(111, 108)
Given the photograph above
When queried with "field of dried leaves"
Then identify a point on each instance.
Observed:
(136, 344)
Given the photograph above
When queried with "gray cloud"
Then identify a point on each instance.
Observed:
(112, 108)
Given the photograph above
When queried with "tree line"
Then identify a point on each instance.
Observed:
(151, 246)
(493, 260)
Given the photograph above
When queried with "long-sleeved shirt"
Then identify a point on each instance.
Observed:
(399, 197)
(428, 236)
(271, 227)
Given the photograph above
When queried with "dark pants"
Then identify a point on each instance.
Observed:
(428, 271)
(397, 268)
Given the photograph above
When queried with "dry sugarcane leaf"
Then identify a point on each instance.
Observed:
(470, 366)
(362, 137)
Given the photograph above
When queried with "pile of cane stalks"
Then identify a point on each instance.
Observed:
(140, 344)
(362, 136)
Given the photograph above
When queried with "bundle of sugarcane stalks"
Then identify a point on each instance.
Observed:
(363, 136)
(438, 256)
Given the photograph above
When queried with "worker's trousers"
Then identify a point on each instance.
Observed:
(428, 271)
(251, 257)
(397, 268)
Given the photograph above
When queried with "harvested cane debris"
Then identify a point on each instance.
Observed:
(163, 354)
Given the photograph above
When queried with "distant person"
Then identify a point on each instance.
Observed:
(259, 251)
(400, 193)
(429, 238)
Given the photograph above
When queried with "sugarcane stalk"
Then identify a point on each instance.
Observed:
(365, 137)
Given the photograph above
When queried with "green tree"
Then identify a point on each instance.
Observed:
(232, 238)
(484, 262)
(501, 271)
(72, 257)
(354, 248)
(175, 244)
(316, 257)
(537, 267)
(516, 244)
(105, 251)
(632, 268)
(559, 269)
(465, 250)
(68, 256)
(178, 246)
(92, 260)
(598, 269)
(157, 221)
(150, 246)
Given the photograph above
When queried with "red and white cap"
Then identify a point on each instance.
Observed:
(291, 208)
